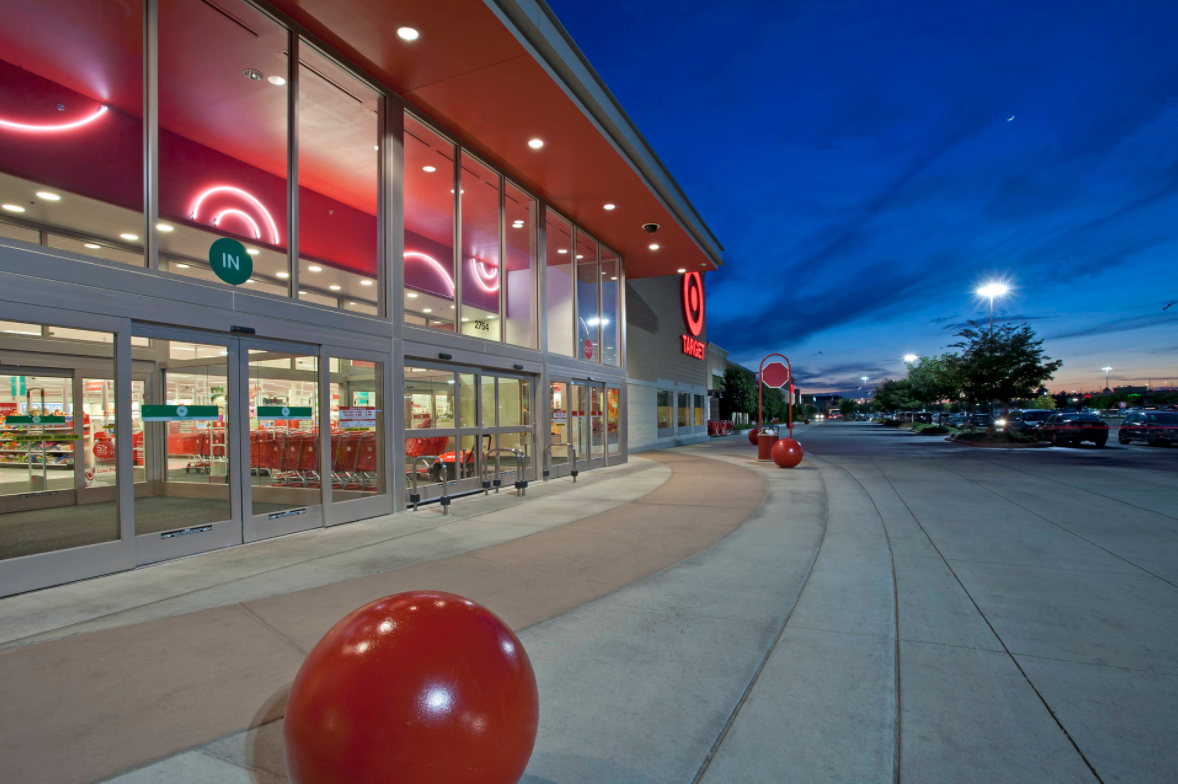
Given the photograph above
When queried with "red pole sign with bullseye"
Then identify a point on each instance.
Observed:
(775, 375)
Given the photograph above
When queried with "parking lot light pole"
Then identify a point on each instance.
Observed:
(992, 290)
(1106, 370)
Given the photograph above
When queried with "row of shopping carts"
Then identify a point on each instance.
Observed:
(291, 458)
(719, 427)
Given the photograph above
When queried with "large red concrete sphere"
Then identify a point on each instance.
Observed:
(417, 688)
(753, 435)
(787, 453)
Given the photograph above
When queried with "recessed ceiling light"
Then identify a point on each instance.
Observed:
(465, 319)
(562, 250)
(252, 251)
(579, 256)
(47, 196)
(615, 277)
(252, 75)
(334, 287)
(411, 295)
(251, 280)
(408, 33)
(91, 246)
(315, 268)
(431, 170)
(129, 236)
(610, 206)
(283, 274)
(681, 270)
(365, 283)
(453, 308)
(182, 266)
(492, 316)
(302, 293)
(427, 310)
(376, 146)
(13, 207)
(277, 81)
(164, 227)
(654, 246)
(536, 144)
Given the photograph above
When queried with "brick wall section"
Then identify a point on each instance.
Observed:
(654, 349)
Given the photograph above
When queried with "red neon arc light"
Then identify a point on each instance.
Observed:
(488, 282)
(693, 303)
(249, 197)
(53, 128)
(253, 224)
(437, 265)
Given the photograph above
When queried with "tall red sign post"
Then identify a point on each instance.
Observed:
(785, 452)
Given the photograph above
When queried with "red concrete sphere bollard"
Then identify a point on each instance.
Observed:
(787, 453)
(421, 687)
(753, 435)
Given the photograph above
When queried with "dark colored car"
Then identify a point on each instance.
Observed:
(1156, 428)
(980, 421)
(1070, 428)
(1027, 421)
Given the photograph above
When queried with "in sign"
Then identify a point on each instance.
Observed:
(230, 262)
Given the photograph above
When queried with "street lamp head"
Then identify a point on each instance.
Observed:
(993, 290)
(863, 379)
(910, 357)
(1106, 369)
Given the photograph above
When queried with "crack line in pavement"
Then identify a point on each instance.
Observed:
(703, 768)
(896, 616)
(1057, 525)
(993, 631)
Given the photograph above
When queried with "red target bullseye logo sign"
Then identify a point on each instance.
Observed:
(693, 303)
(693, 314)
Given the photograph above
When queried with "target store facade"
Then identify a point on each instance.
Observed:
(273, 266)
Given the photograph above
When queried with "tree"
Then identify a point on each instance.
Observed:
(740, 393)
(848, 408)
(934, 379)
(894, 395)
(1003, 364)
(1044, 402)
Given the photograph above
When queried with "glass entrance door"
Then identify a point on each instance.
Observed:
(188, 491)
(596, 425)
(285, 442)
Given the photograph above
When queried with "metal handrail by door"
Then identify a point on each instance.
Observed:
(547, 461)
(415, 497)
(521, 485)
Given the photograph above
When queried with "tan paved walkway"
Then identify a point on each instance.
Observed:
(92, 705)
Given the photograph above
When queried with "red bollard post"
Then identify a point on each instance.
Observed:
(753, 435)
(421, 687)
(787, 453)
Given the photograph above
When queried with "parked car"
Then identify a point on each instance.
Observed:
(1156, 428)
(980, 421)
(1072, 427)
(1026, 421)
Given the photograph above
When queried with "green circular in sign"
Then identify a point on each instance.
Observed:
(230, 262)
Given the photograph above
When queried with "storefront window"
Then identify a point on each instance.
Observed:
(612, 411)
(429, 398)
(466, 400)
(684, 409)
(664, 410)
(429, 228)
(511, 404)
(481, 280)
(588, 321)
(339, 149)
(558, 399)
(487, 405)
(699, 410)
(221, 179)
(558, 284)
(610, 282)
(57, 448)
(519, 271)
(71, 75)
(284, 447)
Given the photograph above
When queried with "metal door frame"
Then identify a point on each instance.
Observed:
(361, 508)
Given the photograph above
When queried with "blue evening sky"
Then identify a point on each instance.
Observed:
(856, 159)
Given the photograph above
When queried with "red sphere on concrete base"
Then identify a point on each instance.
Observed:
(417, 688)
(753, 435)
(787, 453)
